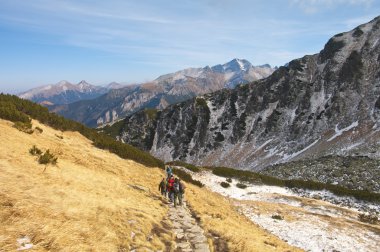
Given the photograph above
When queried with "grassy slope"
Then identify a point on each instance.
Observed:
(85, 203)
(218, 216)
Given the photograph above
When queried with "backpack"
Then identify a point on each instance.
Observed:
(176, 187)
(181, 188)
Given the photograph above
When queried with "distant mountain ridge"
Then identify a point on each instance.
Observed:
(162, 92)
(65, 92)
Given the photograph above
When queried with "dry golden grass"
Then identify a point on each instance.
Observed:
(85, 203)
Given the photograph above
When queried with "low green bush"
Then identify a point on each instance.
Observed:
(368, 218)
(277, 217)
(24, 127)
(229, 180)
(59, 136)
(47, 158)
(39, 130)
(225, 184)
(241, 185)
(187, 177)
(35, 151)
(190, 167)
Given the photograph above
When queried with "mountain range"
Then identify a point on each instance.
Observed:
(165, 90)
(318, 105)
(65, 92)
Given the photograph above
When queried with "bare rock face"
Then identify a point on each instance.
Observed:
(322, 104)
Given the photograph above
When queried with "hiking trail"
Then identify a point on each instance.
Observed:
(189, 235)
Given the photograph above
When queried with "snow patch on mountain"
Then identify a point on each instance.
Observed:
(339, 132)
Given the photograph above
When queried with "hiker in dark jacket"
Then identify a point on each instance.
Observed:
(176, 191)
(162, 187)
(181, 191)
(169, 172)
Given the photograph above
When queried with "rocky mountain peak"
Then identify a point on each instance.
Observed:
(235, 65)
(83, 83)
(114, 85)
(63, 83)
(63, 92)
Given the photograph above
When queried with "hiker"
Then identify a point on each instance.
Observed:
(171, 181)
(176, 192)
(182, 188)
(169, 171)
(162, 187)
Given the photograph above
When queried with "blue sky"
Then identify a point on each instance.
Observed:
(45, 41)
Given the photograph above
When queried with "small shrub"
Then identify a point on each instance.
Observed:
(357, 33)
(47, 158)
(277, 217)
(24, 127)
(241, 185)
(39, 130)
(187, 177)
(330, 49)
(60, 137)
(225, 184)
(151, 113)
(190, 167)
(35, 151)
(229, 180)
(219, 137)
(201, 102)
(368, 218)
(352, 68)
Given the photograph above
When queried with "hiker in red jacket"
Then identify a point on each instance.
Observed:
(170, 188)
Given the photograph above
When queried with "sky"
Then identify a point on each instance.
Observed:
(45, 41)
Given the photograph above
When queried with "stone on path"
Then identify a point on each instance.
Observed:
(190, 236)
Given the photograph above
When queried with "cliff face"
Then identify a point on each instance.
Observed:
(327, 103)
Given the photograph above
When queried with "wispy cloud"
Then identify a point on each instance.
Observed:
(119, 10)
(314, 6)
(153, 36)
(353, 22)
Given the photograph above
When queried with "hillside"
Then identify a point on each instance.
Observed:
(95, 200)
(322, 104)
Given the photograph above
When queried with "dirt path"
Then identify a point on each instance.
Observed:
(189, 235)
